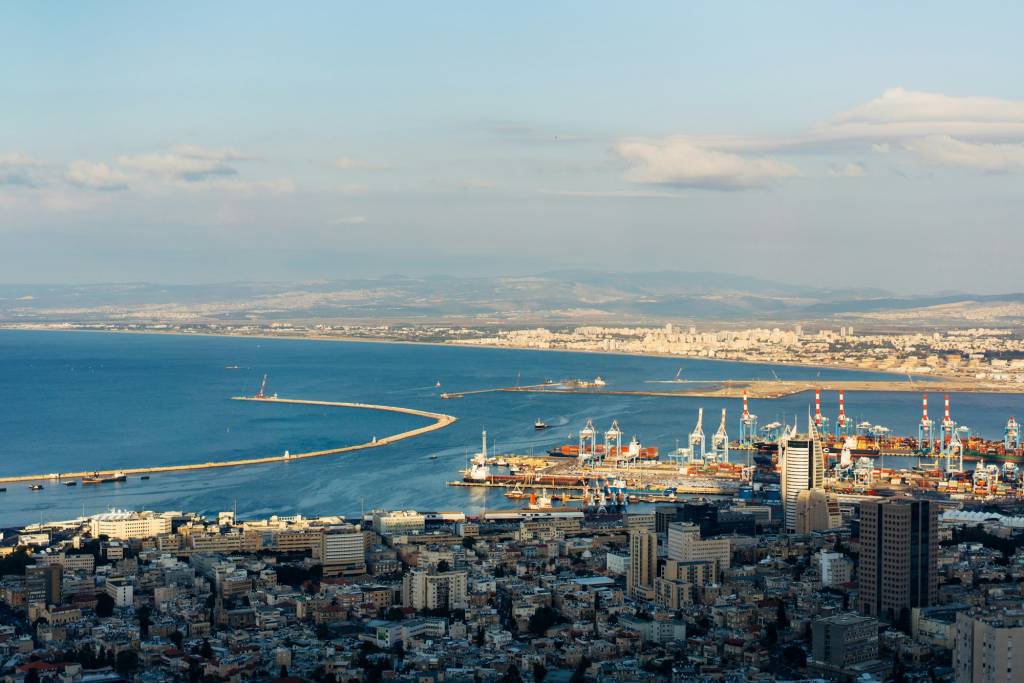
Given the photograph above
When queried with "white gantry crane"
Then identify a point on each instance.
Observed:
(697, 437)
(588, 444)
(613, 442)
(720, 443)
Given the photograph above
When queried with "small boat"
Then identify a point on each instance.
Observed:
(232, 367)
(144, 476)
(438, 385)
(36, 487)
(3, 489)
(71, 483)
(433, 457)
(540, 424)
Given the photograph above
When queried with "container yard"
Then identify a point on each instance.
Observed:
(598, 471)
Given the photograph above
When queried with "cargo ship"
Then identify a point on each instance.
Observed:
(108, 479)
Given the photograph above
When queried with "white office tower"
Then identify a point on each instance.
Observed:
(803, 468)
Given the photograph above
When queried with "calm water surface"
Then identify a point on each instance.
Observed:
(82, 400)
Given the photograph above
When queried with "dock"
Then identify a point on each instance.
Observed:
(440, 421)
(766, 389)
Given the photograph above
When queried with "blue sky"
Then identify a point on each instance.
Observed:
(192, 142)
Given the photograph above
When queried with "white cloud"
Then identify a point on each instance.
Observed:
(351, 188)
(850, 170)
(88, 175)
(943, 150)
(349, 220)
(688, 162)
(189, 163)
(358, 164)
(478, 184)
(612, 194)
(17, 169)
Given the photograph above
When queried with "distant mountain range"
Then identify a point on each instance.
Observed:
(564, 297)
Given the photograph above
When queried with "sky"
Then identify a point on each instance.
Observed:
(838, 144)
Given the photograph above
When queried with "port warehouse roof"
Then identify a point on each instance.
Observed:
(979, 517)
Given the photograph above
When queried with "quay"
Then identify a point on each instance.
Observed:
(767, 389)
(440, 421)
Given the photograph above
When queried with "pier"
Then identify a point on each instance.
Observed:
(440, 421)
(765, 389)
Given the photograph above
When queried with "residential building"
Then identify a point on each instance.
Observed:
(984, 651)
(898, 557)
(803, 466)
(643, 563)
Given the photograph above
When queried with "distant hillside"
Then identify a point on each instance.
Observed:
(564, 297)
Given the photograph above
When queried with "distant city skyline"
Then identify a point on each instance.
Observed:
(841, 146)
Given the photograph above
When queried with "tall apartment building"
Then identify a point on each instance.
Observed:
(843, 640)
(817, 510)
(803, 468)
(445, 590)
(126, 524)
(984, 649)
(342, 550)
(643, 563)
(390, 523)
(43, 584)
(898, 556)
(686, 545)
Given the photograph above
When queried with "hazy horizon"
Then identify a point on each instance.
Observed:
(861, 146)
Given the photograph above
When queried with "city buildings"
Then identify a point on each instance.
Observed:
(989, 647)
(817, 510)
(898, 557)
(643, 562)
(686, 545)
(844, 640)
(124, 524)
(802, 462)
(342, 550)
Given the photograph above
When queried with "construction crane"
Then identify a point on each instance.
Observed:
(842, 422)
(748, 424)
(1011, 437)
(697, 437)
(720, 442)
(588, 446)
(262, 393)
(925, 428)
(613, 442)
(820, 421)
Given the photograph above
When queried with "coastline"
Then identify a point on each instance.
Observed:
(384, 340)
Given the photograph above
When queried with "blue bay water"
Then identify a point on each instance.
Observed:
(81, 400)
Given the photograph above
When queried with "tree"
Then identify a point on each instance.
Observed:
(541, 620)
(127, 662)
(206, 650)
(771, 635)
(177, 639)
(580, 674)
(468, 542)
(512, 675)
(104, 605)
(794, 657)
(780, 615)
(144, 621)
(15, 563)
(443, 566)
(284, 672)
(32, 676)
(539, 672)
(395, 614)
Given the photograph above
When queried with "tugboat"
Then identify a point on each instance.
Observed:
(36, 487)
(540, 425)
(71, 483)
